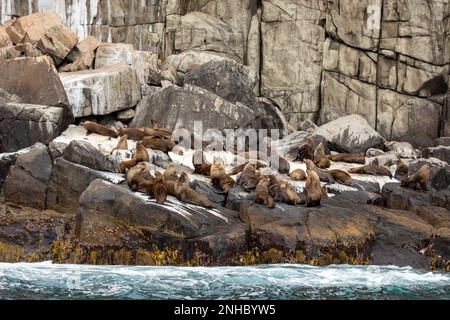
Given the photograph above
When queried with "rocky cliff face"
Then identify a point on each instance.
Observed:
(387, 60)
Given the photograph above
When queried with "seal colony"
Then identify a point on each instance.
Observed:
(257, 175)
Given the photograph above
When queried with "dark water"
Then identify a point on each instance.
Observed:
(47, 281)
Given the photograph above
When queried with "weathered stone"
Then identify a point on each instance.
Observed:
(7, 160)
(26, 183)
(102, 91)
(33, 27)
(291, 32)
(57, 42)
(175, 107)
(227, 79)
(69, 180)
(441, 153)
(440, 171)
(28, 50)
(7, 50)
(82, 56)
(35, 81)
(403, 149)
(22, 125)
(83, 153)
(351, 134)
(406, 118)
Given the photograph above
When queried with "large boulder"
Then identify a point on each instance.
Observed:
(82, 57)
(35, 81)
(227, 79)
(22, 125)
(175, 107)
(69, 180)
(441, 153)
(102, 91)
(57, 43)
(7, 50)
(351, 134)
(26, 183)
(7, 160)
(85, 154)
(440, 171)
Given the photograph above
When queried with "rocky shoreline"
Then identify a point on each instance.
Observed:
(63, 199)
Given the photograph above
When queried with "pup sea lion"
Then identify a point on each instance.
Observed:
(348, 158)
(330, 176)
(306, 151)
(184, 193)
(93, 127)
(284, 166)
(262, 193)
(371, 170)
(122, 144)
(320, 158)
(159, 144)
(313, 189)
(298, 175)
(219, 178)
(418, 181)
(249, 178)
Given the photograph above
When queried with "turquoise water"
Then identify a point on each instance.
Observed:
(47, 281)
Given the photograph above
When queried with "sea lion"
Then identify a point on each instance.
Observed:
(348, 158)
(159, 144)
(402, 169)
(418, 181)
(249, 178)
(132, 133)
(184, 193)
(160, 191)
(330, 176)
(219, 178)
(313, 189)
(262, 193)
(320, 158)
(204, 168)
(170, 177)
(298, 175)
(122, 144)
(92, 127)
(137, 174)
(282, 191)
(240, 168)
(284, 166)
(371, 170)
(158, 133)
(306, 151)
(140, 155)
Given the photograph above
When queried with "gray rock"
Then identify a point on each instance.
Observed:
(69, 180)
(351, 134)
(7, 160)
(226, 79)
(440, 171)
(441, 153)
(83, 153)
(403, 150)
(175, 107)
(26, 183)
(22, 125)
(444, 141)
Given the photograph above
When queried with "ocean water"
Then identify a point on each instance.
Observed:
(288, 282)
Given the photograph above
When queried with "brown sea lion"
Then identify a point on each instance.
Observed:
(127, 164)
(320, 158)
(170, 177)
(282, 191)
(262, 193)
(330, 176)
(158, 133)
(159, 144)
(313, 189)
(298, 175)
(141, 154)
(249, 178)
(348, 158)
(137, 174)
(402, 169)
(219, 178)
(238, 169)
(418, 181)
(160, 191)
(371, 170)
(204, 168)
(132, 133)
(284, 167)
(122, 144)
(306, 151)
(184, 193)
(92, 127)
